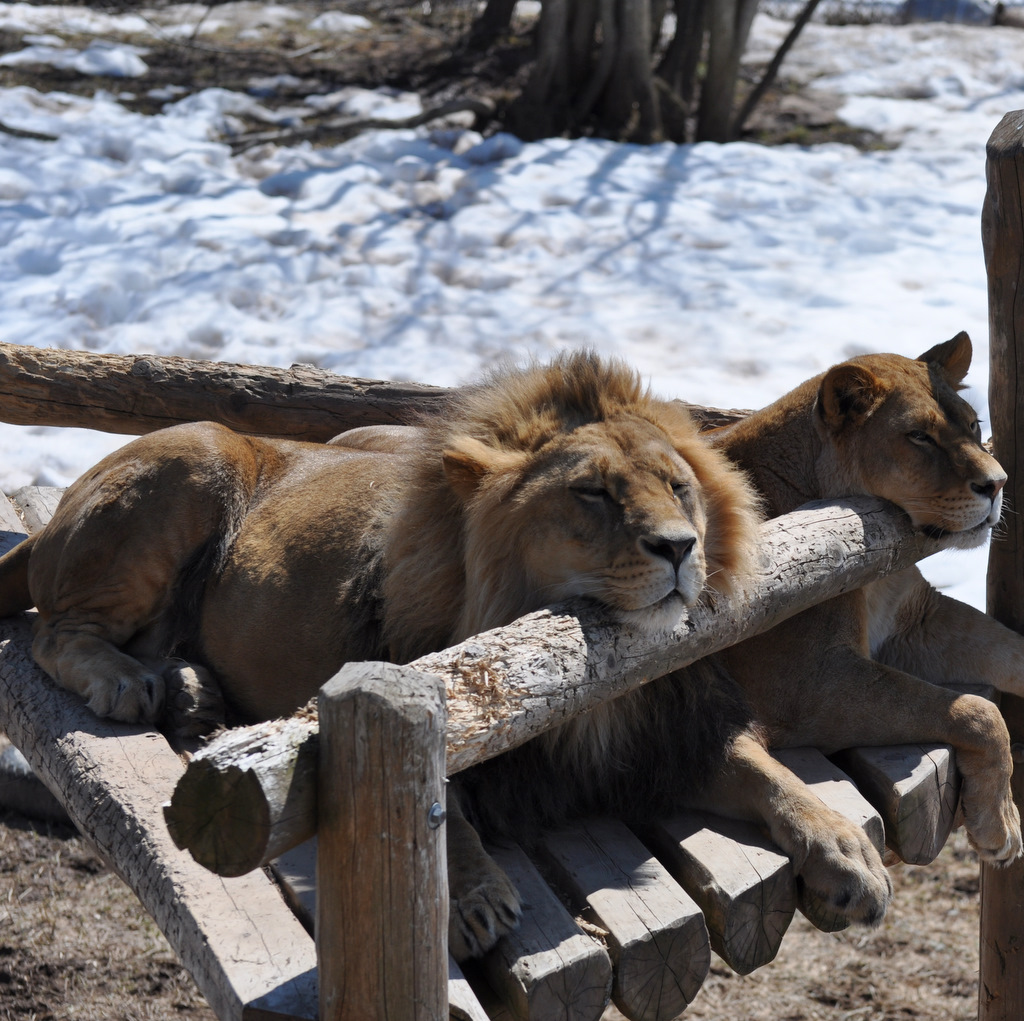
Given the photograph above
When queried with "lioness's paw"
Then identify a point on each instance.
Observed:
(842, 878)
(130, 697)
(993, 825)
(481, 913)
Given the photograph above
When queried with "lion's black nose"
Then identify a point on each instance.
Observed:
(674, 549)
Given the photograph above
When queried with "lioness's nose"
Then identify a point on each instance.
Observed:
(990, 488)
(674, 549)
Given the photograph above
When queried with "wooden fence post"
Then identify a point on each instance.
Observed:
(1001, 985)
(382, 884)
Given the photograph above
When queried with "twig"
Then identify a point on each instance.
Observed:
(773, 68)
(344, 128)
(36, 136)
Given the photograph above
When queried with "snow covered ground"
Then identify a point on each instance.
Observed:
(725, 273)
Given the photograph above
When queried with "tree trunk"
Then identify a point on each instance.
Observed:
(729, 29)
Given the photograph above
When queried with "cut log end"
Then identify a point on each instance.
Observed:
(221, 817)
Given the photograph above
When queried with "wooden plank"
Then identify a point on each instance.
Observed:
(1001, 987)
(12, 528)
(381, 874)
(655, 932)
(916, 790)
(743, 884)
(246, 951)
(23, 792)
(462, 1002)
(512, 683)
(548, 970)
(829, 783)
(36, 504)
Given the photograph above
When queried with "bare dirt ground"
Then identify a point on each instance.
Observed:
(74, 942)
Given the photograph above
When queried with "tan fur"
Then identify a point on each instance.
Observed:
(271, 562)
(866, 668)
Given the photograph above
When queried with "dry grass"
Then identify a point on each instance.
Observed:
(74, 941)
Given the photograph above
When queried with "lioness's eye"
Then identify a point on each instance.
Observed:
(920, 437)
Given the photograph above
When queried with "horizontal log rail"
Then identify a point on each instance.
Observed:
(136, 394)
(249, 795)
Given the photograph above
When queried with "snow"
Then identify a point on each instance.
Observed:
(726, 273)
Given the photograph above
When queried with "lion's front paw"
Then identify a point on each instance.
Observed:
(195, 702)
(130, 696)
(484, 907)
(842, 878)
(992, 823)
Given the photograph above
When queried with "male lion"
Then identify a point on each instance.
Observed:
(271, 563)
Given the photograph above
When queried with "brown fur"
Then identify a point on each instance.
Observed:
(271, 562)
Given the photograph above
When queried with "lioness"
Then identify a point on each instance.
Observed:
(272, 562)
(865, 668)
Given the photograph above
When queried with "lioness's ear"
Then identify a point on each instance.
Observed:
(467, 462)
(848, 393)
(952, 358)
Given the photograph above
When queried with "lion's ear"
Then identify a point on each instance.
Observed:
(848, 393)
(467, 462)
(952, 358)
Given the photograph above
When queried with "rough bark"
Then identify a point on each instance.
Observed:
(730, 23)
(135, 394)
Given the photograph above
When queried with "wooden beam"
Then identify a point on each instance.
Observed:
(1001, 986)
(510, 684)
(915, 788)
(246, 951)
(135, 394)
(743, 884)
(381, 873)
(548, 969)
(655, 932)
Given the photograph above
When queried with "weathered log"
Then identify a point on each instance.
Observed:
(548, 969)
(915, 788)
(36, 504)
(512, 683)
(655, 932)
(135, 394)
(263, 791)
(381, 877)
(1001, 986)
(246, 951)
(743, 884)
